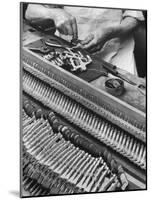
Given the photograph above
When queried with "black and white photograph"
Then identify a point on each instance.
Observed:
(83, 91)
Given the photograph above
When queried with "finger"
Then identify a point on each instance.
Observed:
(90, 45)
(87, 39)
(95, 49)
(69, 29)
(62, 29)
(74, 28)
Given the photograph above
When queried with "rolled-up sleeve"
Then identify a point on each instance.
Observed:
(135, 14)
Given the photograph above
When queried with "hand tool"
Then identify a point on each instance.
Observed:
(113, 70)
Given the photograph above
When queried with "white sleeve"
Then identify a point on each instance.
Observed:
(135, 14)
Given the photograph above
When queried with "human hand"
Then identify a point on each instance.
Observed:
(65, 23)
(96, 40)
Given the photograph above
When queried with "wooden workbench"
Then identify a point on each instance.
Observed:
(131, 95)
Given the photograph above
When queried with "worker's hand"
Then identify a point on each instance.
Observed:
(96, 40)
(65, 23)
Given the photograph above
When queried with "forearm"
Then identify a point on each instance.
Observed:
(35, 12)
(127, 26)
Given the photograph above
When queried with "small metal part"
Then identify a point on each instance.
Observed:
(76, 60)
(114, 86)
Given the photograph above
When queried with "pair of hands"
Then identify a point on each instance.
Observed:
(67, 25)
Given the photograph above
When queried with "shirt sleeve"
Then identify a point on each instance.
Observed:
(135, 14)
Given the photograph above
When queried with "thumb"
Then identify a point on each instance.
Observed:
(87, 39)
